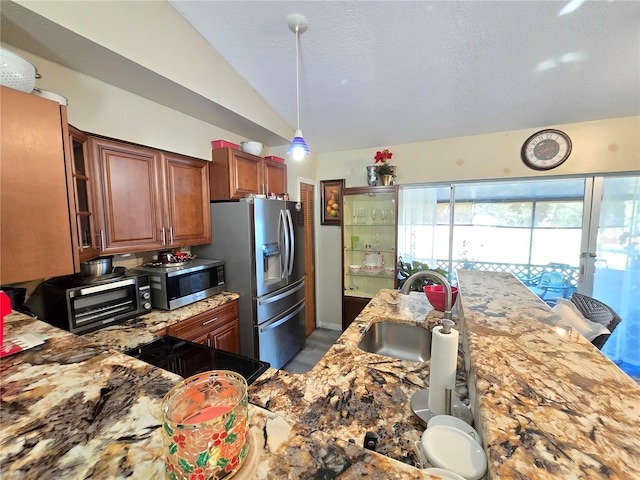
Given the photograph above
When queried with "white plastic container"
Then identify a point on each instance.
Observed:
(452, 449)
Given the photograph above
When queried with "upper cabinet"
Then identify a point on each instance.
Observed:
(82, 193)
(37, 217)
(234, 174)
(147, 199)
(187, 198)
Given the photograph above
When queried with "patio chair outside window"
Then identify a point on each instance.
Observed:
(599, 312)
(551, 286)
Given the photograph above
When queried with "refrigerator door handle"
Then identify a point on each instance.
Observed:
(292, 248)
(282, 234)
(287, 244)
(277, 323)
(275, 298)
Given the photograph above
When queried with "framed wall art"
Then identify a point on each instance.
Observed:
(331, 201)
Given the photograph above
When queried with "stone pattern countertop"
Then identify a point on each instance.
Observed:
(144, 329)
(548, 404)
(351, 392)
(72, 408)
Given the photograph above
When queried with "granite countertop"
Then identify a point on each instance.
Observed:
(74, 408)
(144, 329)
(548, 404)
(351, 392)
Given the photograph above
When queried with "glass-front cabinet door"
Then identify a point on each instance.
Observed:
(369, 246)
(83, 195)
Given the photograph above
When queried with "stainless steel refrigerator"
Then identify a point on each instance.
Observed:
(262, 244)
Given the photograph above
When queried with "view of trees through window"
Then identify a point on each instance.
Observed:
(536, 227)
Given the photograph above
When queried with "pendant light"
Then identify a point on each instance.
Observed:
(298, 148)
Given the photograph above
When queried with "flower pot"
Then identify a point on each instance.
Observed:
(385, 179)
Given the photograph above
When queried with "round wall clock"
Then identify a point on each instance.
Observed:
(546, 149)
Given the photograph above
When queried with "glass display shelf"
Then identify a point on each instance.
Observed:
(369, 241)
(381, 275)
(391, 225)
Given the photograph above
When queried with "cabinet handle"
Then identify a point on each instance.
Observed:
(162, 236)
(215, 342)
(209, 321)
(170, 235)
(102, 244)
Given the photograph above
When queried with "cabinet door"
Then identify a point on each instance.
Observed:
(275, 177)
(351, 308)
(226, 338)
(199, 327)
(87, 241)
(187, 199)
(35, 224)
(234, 174)
(129, 197)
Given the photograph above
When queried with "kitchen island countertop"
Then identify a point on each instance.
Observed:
(547, 403)
(74, 408)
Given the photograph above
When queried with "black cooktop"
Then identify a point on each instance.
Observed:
(187, 358)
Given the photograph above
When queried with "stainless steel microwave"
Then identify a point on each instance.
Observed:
(177, 286)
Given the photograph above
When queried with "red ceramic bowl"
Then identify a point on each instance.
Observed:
(436, 295)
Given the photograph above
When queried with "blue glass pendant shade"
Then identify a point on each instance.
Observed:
(298, 148)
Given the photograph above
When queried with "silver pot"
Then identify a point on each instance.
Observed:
(96, 267)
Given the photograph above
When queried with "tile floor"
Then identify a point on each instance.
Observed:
(317, 345)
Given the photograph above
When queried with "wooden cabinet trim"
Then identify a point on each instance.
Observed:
(200, 327)
(234, 174)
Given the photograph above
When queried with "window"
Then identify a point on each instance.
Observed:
(508, 227)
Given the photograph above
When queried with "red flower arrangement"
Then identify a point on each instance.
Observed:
(382, 167)
(383, 156)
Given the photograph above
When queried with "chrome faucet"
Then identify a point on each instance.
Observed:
(406, 288)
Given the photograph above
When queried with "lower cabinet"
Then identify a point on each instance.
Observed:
(216, 328)
(351, 308)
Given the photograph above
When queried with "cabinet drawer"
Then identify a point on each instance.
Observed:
(204, 322)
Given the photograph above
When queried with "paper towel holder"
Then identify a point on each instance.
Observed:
(420, 406)
(446, 326)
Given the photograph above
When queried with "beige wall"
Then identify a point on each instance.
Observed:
(599, 147)
(98, 107)
(154, 35)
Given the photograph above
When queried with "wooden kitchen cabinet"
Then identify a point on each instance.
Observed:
(216, 328)
(187, 199)
(82, 186)
(234, 174)
(275, 177)
(147, 199)
(37, 215)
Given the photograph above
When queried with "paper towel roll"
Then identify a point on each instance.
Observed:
(444, 358)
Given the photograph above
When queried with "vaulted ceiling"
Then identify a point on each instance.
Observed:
(389, 72)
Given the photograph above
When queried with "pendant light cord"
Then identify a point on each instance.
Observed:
(297, 82)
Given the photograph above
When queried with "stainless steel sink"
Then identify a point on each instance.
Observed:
(398, 340)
